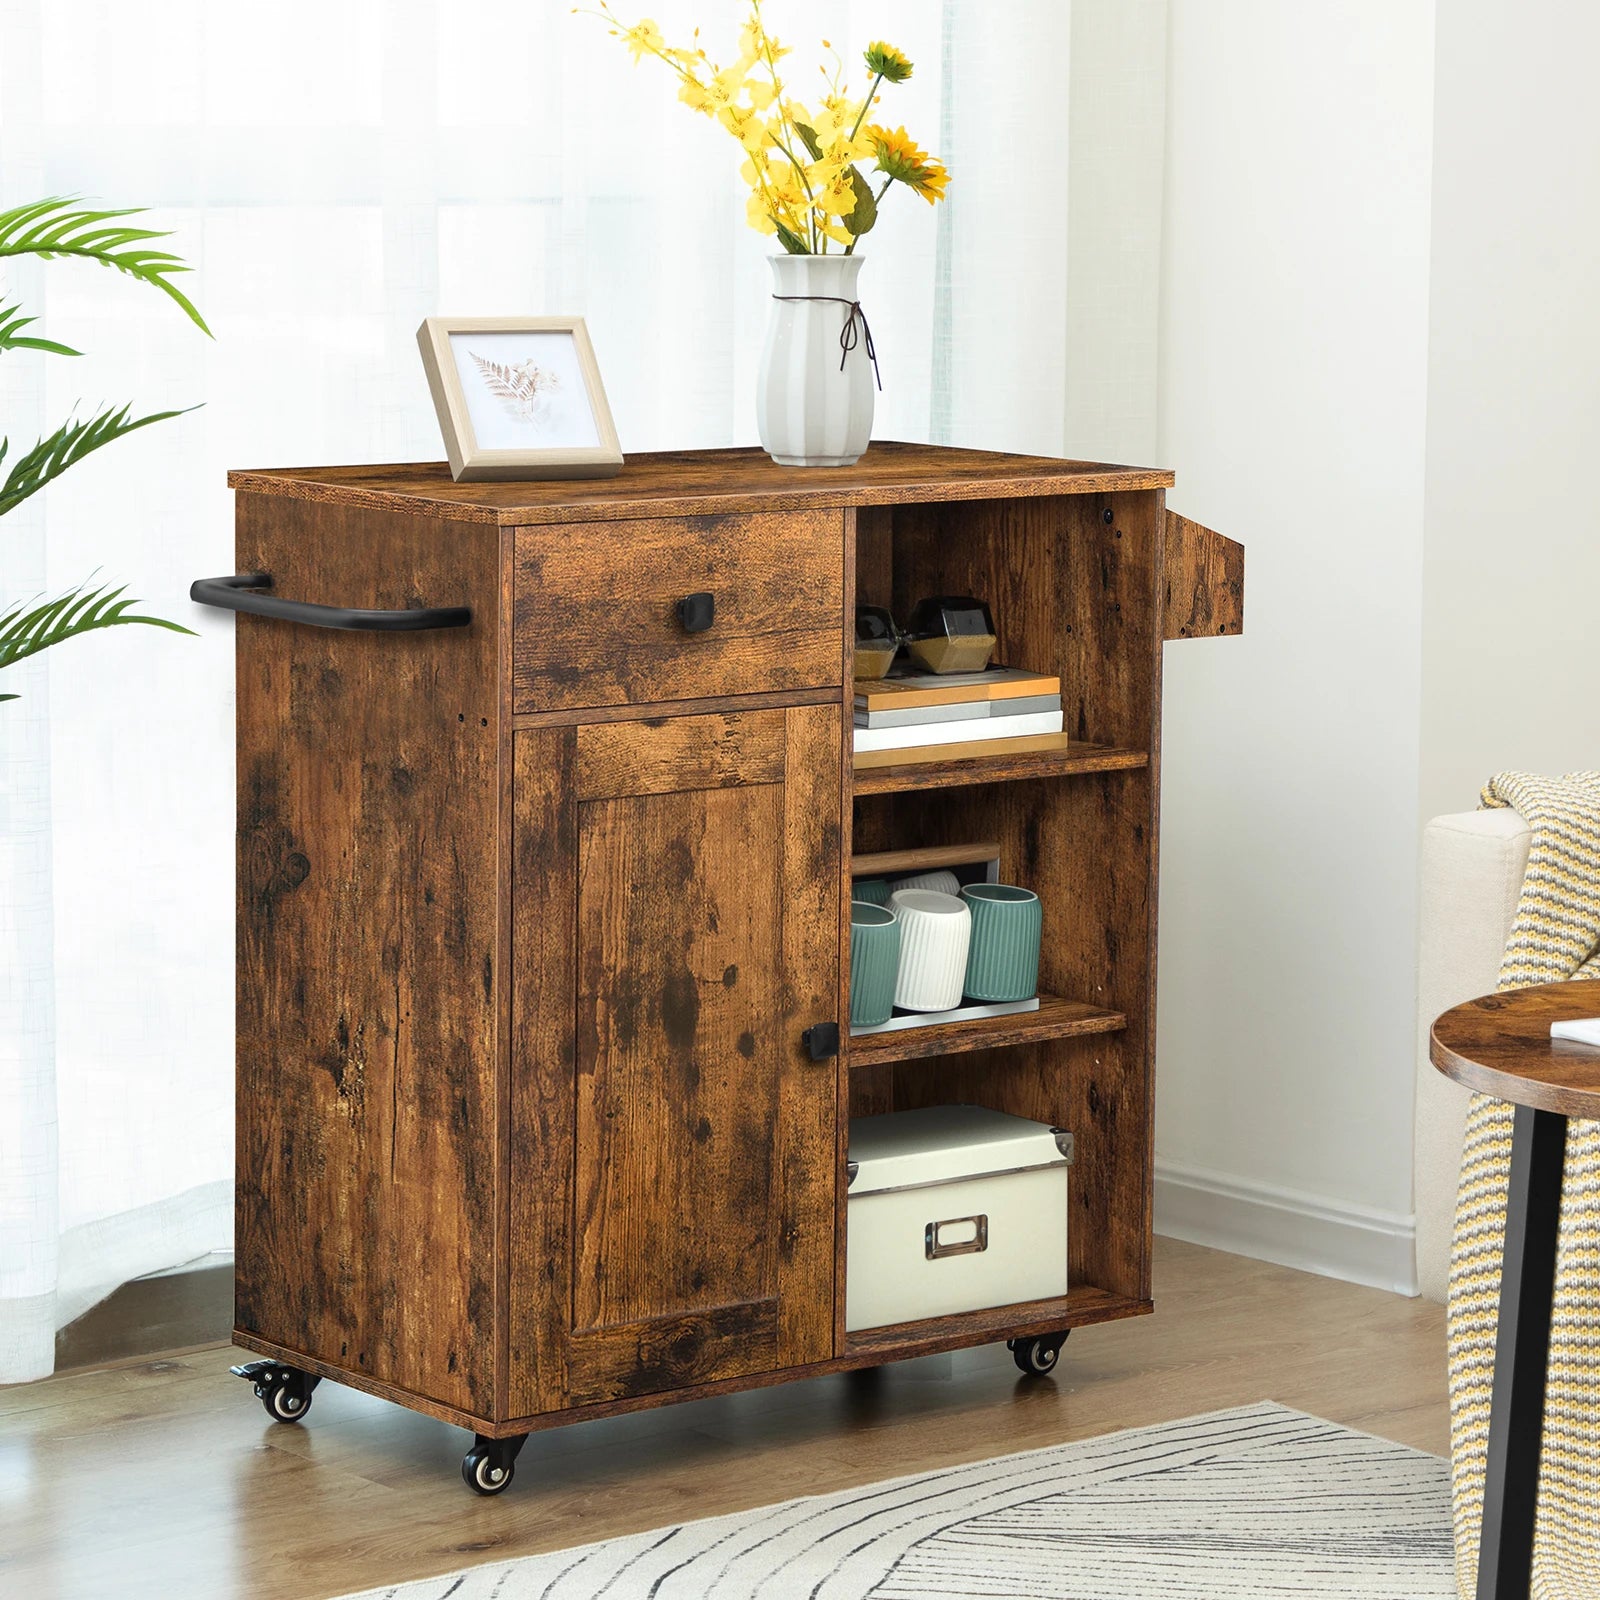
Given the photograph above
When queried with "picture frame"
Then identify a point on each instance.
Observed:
(518, 398)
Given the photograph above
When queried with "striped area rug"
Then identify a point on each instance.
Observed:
(1260, 1502)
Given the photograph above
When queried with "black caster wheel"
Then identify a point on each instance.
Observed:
(1035, 1357)
(284, 1391)
(490, 1465)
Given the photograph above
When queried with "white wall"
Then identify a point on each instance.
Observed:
(1512, 552)
(1116, 110)
(1294, 366)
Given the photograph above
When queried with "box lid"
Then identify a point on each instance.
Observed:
(937, 1144)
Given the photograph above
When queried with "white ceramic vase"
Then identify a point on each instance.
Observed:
(935, 934)
(813, 396)
(943, 880)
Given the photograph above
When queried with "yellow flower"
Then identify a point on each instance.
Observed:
(935, 180)
(644, 38)
(900, 157)
(759, 215)
(845, 152)
(804, 168)
(837, 196)
(711, 95)
(884, 61)
(837, 114)
(787, 187)
(744, 125)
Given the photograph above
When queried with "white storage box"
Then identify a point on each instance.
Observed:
(953, 1208)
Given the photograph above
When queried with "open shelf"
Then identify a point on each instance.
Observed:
(1079, 1307)
(1055, 1019)
(1075, 584)
(956, 770)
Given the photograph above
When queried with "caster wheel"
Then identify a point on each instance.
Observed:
(288, 1402)
(284, 1392)
(483, 1475)
(1035, 1357)
(490, 1465)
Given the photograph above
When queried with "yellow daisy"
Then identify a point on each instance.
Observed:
(904, 161)
(885, 61)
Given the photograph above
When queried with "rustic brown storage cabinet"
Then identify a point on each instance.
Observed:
(543, 916)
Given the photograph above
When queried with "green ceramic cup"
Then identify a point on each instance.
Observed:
(875, 891)
(1003, 958)
(874, 963)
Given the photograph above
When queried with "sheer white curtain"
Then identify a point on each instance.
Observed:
(336, 170)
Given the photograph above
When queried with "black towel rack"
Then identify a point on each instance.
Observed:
(238, 592)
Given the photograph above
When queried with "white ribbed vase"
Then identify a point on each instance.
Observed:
(810, 412)
(942, 879)
(935, 932)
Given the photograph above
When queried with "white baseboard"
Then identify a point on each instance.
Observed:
(1245, 1217)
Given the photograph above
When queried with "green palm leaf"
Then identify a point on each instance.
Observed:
(59, 227)
(12, 322)
(66, 447)
(25, 632)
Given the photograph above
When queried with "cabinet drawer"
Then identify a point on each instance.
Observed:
(595, 608)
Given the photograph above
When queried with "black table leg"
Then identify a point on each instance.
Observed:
(1522, 1352)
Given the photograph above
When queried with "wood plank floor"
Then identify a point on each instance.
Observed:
(165, 1478)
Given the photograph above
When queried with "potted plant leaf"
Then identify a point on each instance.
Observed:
(57, 229)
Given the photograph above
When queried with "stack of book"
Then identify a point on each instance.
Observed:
(926, 716)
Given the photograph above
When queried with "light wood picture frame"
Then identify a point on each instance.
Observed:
(518, 398)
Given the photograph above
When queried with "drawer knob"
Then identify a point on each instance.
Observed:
(821, 1040)
(696, 612)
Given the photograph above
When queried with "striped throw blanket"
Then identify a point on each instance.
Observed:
(1554, 937)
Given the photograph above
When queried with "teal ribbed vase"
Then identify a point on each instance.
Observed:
(874, 963)
(1003, 958)
(875, 891)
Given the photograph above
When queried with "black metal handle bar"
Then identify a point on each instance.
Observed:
(236, 593)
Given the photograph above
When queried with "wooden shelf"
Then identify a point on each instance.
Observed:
(957, 770)
(1055, 1019)
(1079, 1307)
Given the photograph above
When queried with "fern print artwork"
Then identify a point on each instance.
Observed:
(526, 390)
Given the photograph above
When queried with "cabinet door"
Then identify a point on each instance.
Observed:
(675, 929)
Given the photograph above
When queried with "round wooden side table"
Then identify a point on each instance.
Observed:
(1501, 1046)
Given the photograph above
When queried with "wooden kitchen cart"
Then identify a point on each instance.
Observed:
(544, 1077)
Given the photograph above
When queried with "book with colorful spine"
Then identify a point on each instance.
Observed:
(923, 716)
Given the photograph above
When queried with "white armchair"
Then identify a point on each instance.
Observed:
(1472, 870)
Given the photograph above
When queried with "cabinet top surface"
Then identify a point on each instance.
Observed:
(694, 482)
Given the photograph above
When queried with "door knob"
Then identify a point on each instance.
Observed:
(696, 612)
(822, 1040)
